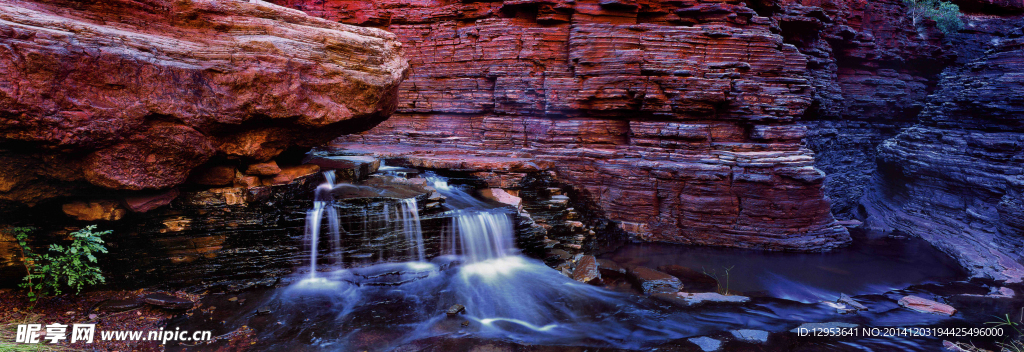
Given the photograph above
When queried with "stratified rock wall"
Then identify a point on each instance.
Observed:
(956, 178)
(134, 95)
(678, 118)
(871, 68)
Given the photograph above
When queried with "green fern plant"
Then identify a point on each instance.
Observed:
(945, 14)
(71, 267)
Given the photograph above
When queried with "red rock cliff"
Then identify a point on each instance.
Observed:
(678, 118)
(133, 95)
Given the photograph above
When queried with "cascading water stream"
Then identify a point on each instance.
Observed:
(506, 296)
(322, 203)
(411, 228)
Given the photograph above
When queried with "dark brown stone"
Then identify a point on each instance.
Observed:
(586, 270)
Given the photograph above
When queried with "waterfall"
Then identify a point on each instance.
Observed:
(409, 216)
(484, 235)
(322, 202)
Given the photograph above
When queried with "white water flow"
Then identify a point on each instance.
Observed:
(411, 228)
(322, 203)
(506, 295)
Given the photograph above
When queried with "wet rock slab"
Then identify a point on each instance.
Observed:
(926, 305)
(651, 281)
(752, 336)
(687, 299)
(167, 301)
(706, 344)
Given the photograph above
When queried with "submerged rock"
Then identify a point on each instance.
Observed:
(651, 281)
(926, 305)
(706, 344)
(752, 336)
(455, 310)
(610, 268)
(693, 281)
(167, 301)
(710, 297)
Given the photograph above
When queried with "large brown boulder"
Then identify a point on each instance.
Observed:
(135, 94)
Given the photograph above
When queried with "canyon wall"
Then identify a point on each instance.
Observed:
(116, 95)
(871, 67)
(679, 118)
(956, 177)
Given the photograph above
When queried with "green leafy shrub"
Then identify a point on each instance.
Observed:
(71, 267)
(945, 14)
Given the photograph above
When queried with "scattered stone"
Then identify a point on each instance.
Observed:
(710, 297)
(269, 168)
(706, 344)
(926, 306)
(819, 326)
(560, 254)
(1003, 292)
(456, 309)
(652, 281)
(262, 311)
(501, 196)
(233, 299)
(692, 280)
(119, 305)
(93, 316)
(845, 299)
(610, 268)
(142, 204)
(167, 301)
(348, 167)
(290, 173)
(752, 336)
(465, 323)
(586, 269)
(95, 210)
(246, 181)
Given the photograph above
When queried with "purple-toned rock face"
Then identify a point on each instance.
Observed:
(955, 177)
(678, 118)
(134, 95)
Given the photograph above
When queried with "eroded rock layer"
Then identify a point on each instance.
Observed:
(956, 178)
(135, 95)
(871, 65)
(677, 118)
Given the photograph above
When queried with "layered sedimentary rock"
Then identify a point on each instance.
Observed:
(956, 177)
(677, 118)
(871, 65)
(135, 95)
